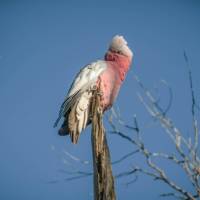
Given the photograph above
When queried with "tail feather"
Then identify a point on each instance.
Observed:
(64, 130)
(77, 118)
(73, 125)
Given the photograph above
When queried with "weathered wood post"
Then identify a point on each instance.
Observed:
(103, 179)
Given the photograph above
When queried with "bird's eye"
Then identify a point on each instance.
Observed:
(119, 52)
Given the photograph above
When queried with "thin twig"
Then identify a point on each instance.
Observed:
(125, 157)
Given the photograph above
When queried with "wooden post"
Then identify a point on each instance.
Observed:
(103, 178)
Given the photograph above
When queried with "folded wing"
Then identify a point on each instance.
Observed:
(76, 107)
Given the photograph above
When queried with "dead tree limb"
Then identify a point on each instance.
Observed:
(185, 154)
(103, 178)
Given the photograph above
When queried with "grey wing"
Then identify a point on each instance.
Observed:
(68, 102)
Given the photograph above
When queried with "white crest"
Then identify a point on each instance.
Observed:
(119, 44)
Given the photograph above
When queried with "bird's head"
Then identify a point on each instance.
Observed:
(120, 45)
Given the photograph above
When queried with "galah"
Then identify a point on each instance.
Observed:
(107, 75)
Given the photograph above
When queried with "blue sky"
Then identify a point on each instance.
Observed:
(43, 44)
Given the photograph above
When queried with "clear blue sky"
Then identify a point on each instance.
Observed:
(43, 44)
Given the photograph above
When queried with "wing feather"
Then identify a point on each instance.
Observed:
(86, 76)
(78, 116)
(84, 81)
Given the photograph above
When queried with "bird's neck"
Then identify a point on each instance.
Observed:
(122, 62)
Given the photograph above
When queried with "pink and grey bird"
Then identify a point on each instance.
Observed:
(107, 74)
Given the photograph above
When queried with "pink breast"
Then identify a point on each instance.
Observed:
(110, 83)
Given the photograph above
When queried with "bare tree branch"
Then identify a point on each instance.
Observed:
(193, 106)
(188, 161)
(102, 171)
(125, 157)
(75, 158)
